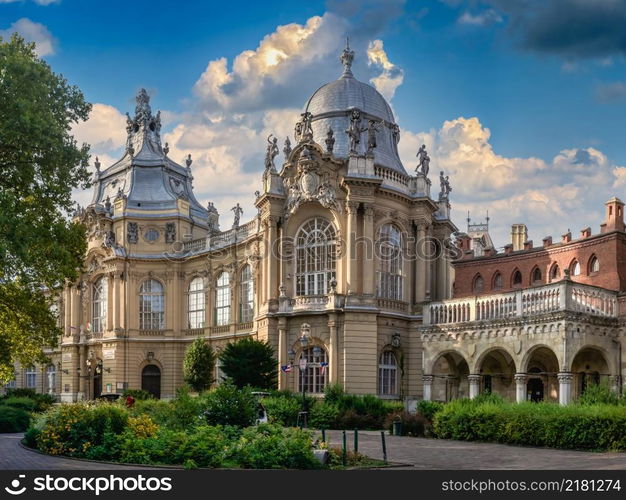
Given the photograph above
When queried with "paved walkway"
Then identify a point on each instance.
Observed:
(417, 453)
(424, 453)
(13, 456)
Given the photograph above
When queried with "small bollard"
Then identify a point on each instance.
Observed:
(344, 451)
(382, 437)
(356, 440)
(323, 435)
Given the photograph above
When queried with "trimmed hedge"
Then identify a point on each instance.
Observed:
(586, 427)
(13, 419)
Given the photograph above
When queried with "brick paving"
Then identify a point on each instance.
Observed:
(422, 453)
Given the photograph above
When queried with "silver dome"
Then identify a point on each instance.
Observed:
(331, 105)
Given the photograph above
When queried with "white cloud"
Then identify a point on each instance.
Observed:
(32, 32)
(391, 76)
(484, 18)
(46, 2)
(105, 130)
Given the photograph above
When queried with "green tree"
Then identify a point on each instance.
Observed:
(40, 164)
(198, 365)
(250, 362)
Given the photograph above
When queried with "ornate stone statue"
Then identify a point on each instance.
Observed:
(306, 130)
(372, 128)
(424, 160)
(330, 140)
(445, 187)
(294, 195)
(107, 206)
(97, 165)
(188, 161)
(238, 212)
(272, 152)
(213, 218)
(166, 149)
(109, 239)
(287, 148)
(170, 232)
(132, 234)
(355, 130)
(346, 58)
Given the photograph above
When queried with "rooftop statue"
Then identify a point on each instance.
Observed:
(445, 187)
(330, 140)
(346, 58)
(271, 153)
(287, 148)
(355, 130)
(372, 128)
(238, 212)
(424, 161)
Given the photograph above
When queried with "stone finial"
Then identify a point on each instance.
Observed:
(97, 165)
(287, 148)
(188, 161)
(347, 56)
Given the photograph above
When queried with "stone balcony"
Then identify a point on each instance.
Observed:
(311, 303)
(564, 295)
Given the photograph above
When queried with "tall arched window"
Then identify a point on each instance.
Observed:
(389, 249)
(51, 378)
(594, 265)
(479, 284)
(575, 268)
(31, 377)
(536, 277)
(497, 281)
(555, 272)
(151, 306)
(222, 300)
(316, 252)
(314, 377)
(387, 374)
(517, 278)
(99, 305)
(246, 294)
(196, 303)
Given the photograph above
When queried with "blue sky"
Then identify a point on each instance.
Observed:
(523, 102)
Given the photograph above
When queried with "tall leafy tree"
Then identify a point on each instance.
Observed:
(198, 365)
(250, 362)
(40, 164)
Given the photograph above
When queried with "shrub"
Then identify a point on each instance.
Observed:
(13, 419)
(198, 365)
(161, 412)
(42, 401)
(334, 393)
(23, 403)
(282, 410)
(598, 394)
(137, 394)
(250, 362)
(350, 419)
(428, 409)
(324, 415)
(412, 424)
(228, 405)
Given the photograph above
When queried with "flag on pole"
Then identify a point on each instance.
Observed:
(323, 366)
(286, 368)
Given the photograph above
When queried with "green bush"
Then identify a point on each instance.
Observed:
(42, 401)
(324, 415)
(138, 394)
(198, 365)
(23, 403)
(13, 419)
(228, 405)
(412, 424)
(282, 409)
(428, 409)
(598, 394)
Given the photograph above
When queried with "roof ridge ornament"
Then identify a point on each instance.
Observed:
(346, 58)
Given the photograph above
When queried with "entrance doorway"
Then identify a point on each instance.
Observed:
(535, 389)
(151, 380)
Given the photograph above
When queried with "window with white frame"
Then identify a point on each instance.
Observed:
(99, 305)
(31, 377)
(314, 376)
(387, 374)
(316, 253)
(196, 303)
(389, 249)
(151, 305)
(51, 378)
(222, 300)
(575, 267)
(246, 295)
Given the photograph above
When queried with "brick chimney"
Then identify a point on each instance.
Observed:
(528, 245)
(547, 241)
(567, 237)
(585, 233)
(519, 234)
(508, 248)
(614, 216)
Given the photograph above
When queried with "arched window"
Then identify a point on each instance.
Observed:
(536, 277)
(99, 305)
(479, 284)
(497, 281)
(316, 249)
(151, 380)
(387, 374)
(222, 300)
(51, 378)
(575, 268)
(517, 278)
(594, 265)
(31, 377)
(196, 303)
(555, 273)
(313, 377)
(389, 249)
(246, 295)
(151, 306)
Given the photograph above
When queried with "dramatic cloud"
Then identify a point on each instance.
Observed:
(32, 32)
(105, 130)
(485, 18)
(391, 76)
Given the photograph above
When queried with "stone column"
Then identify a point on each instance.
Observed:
(67, 309)
(110, 303)
(369, 260)
(282, 352)
(82, 375)
(420, 265)
(351, 229)
(521, 380)
(474, 385)
(75, 316)
(428, 292)
(427, 380)
(334, 351)
(116, 300)
(272, 259)
(441, 273)
(565, 387)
